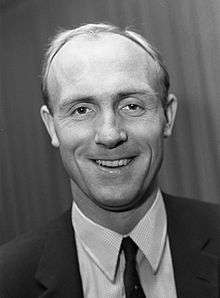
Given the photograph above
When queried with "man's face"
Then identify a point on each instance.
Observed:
(107, 120)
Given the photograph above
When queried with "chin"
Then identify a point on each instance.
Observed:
(117, 201)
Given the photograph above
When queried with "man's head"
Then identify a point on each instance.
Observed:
(108, 110)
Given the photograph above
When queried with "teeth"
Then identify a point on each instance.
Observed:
(113, 163)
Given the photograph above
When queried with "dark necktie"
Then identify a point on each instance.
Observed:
(132, 283)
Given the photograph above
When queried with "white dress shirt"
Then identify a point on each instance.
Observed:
(102, 265)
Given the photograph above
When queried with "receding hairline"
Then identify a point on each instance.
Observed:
(96, 31)
(72, 47)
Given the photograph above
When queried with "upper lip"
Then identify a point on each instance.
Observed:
(112, 158)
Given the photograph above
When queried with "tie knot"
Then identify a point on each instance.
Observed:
(130, 249)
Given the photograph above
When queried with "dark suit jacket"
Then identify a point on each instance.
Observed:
(45, 264)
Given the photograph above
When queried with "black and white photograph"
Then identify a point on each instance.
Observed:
(109, 149)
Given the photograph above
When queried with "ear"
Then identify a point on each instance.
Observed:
(49, 123)
(170, 112)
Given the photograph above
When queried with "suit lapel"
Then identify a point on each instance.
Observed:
(58, 270)
(195, 267)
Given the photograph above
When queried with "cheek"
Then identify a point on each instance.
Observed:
(72, 136)
(147, 133)
(156, 142)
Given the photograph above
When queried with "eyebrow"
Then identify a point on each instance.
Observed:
(150, 92)
(70, 100)
(90, 99)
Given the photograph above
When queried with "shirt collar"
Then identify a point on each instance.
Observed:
(103, 244)
(150, 233)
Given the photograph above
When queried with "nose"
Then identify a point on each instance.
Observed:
(109, 133)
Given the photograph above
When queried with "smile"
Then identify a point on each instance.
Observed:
(113, 163)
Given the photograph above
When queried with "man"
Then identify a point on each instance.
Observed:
(108, 110)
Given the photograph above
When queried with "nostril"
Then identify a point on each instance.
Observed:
(113, 145)
(123, 135)
(111, 137)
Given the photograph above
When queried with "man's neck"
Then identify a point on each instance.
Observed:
(120, 222)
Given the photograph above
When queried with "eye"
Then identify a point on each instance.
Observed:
(133, 109)
(81, 112)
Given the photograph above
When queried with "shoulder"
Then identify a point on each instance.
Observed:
(191, 206)
(19, 258)
(23, 249)
(192, 213)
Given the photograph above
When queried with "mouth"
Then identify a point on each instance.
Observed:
(117, 163)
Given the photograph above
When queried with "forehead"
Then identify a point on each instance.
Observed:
(102, 53)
